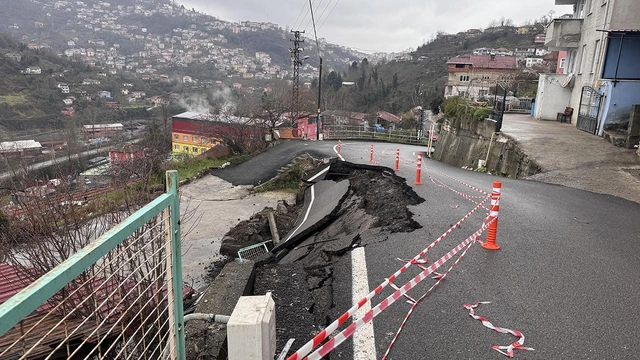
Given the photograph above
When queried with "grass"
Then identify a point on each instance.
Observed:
(13, 100)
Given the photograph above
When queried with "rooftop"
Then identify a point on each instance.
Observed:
(485, 61)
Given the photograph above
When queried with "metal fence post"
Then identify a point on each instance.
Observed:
(176, 262)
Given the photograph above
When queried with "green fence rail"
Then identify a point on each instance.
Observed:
(337, 132)
(120, 297)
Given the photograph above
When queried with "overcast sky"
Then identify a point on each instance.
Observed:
(378, 25)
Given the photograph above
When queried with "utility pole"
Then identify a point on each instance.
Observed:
(319, 99)
(295, 57)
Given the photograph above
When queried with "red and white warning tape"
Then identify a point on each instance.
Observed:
(346, 333)
(440, 277)
(318, 339)
(418, 259)
(465, 196)
(505, 350)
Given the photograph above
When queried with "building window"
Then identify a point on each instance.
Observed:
(203, 140)
(583, 59)
(483, 93)
(464, 78)
(176, 137)
(195, 149)
(572, 61)
(185, 138)
(563, 63)
(186, 148)
(213, 142)
(459, 66)
(194, 139)
(176, 147)
(485, 77)
(596, 57)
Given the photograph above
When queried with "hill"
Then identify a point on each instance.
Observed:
(399, 85)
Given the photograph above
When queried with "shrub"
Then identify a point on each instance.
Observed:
(481, 113)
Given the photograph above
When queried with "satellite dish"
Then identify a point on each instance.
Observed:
(567, 80)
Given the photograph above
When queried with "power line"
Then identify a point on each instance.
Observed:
(315, 33)
(311, 20)
(324, 11)
(330, 12)
(304, 6)
(304, 17)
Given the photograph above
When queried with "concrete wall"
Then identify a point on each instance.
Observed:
(551, 98)
(463, 148)
(618, 101)
(625, 14)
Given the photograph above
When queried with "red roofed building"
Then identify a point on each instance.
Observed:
(473, 75)
(388, 120)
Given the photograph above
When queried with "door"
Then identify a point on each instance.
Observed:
(589, 110)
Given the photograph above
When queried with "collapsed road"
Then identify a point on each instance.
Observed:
(567, 269)
(347, 205)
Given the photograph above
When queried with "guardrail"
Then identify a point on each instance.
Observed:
(336, 132)
(120, 297)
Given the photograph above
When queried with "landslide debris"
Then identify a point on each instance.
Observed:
(302, 283)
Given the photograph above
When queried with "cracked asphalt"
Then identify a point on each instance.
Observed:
(566, 276)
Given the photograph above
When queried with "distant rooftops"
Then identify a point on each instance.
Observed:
(17, 146)
(485, 62)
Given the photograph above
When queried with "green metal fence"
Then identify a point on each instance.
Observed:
(339, 132)
(120, 297)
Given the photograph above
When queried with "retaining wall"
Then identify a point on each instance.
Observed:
(464, 144)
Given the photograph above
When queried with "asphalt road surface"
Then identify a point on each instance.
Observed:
(567, 275)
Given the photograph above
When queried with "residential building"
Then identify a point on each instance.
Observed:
(13, 56)
(99, 131)
(342, 117)
(125, 153)
(68, 111)
(388, 120)
(22, 146)
(194, 133)
(602, 40)
(473, 75)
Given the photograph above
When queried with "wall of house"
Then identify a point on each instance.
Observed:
(625, 14)
(551, 98)
(618, 101)
(308, 129)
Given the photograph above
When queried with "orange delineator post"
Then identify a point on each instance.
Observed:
(371, 154)
(490, 244)
(418, 170)
(397, 160)
(339, 143)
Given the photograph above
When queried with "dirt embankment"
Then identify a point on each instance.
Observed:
(302, 282)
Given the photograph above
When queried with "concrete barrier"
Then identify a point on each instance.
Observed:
(251, 330)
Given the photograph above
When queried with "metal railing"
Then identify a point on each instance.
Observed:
(120, 297)
(337, 132)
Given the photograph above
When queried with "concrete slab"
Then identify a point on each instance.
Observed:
(574, 158)
(321, 202)
(208, 340)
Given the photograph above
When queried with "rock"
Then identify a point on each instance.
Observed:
(264, 259)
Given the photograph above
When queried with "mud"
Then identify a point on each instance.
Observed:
(302, 283)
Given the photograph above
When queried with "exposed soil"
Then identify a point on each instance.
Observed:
(375, 206)
(256, 229)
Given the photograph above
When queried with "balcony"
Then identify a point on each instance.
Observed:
(563, 34)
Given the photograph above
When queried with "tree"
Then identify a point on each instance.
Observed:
(274, 104)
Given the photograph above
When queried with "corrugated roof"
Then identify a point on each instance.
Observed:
(486, 62)
(622, 30)
(19, 145)
(387, 116)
